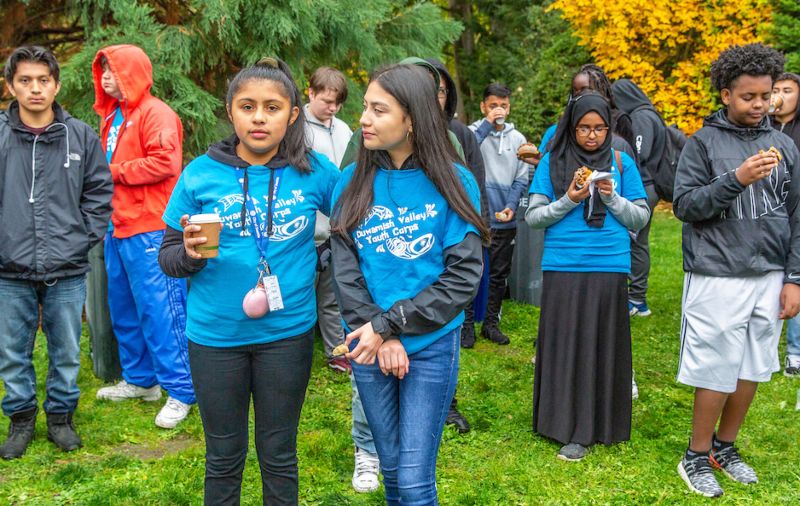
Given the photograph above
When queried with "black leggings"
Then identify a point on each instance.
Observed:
(276, 375)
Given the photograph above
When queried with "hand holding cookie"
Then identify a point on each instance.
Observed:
(579, 189)
(582, 177)
(756, 167)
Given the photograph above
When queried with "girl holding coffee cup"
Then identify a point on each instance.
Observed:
(251, 309)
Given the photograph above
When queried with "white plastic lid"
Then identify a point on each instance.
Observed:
(205, 218)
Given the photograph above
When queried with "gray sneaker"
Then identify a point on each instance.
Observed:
(572, 452)
(124, 390)
(729, 461)
(699, 476)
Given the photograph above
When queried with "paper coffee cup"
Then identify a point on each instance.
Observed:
(209, 228)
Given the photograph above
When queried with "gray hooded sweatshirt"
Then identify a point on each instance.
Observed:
(506, 176)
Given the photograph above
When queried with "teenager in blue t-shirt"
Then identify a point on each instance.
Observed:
(266, 187)
(407, 259)
(582, 384)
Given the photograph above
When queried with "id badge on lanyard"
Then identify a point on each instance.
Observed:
(266, 295)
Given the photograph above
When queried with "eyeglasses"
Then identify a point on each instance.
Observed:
(442, 92)
(584, 131)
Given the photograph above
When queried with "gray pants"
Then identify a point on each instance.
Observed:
(362, 435)
(328, 318)
(640, 254)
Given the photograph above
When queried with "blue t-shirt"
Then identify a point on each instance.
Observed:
(401, 243)
(548, 134)
(573, 246)
(113, 134)
(214, 307)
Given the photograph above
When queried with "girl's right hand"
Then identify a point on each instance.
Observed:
(189, 242)
(369, 342)
(393, 359)
(574, 193)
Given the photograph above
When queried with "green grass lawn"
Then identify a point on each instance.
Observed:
(127, 460)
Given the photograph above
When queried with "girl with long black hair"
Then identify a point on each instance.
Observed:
(251, 310)
(582, 383)
(407, 260)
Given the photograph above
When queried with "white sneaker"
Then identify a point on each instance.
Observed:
(365, 474)
(634, 387)
(124, 390)
(173, 413)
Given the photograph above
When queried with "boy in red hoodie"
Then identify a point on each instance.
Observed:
(142, 137)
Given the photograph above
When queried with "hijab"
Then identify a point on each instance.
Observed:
(567, 155)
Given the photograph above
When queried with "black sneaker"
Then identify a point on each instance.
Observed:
(730, 462)
(493, 334)
(61, 431)
(455, 418)
(467, 335)
(699, 476)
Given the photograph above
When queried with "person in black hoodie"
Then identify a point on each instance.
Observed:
(448, 100)
(784, 108)
(649, 140)
(785, 117)
(741, 253)
(55, 203)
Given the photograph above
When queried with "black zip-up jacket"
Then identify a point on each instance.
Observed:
(731, 230)
(55, 198)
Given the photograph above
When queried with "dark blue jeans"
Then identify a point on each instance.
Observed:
(62, 304)
(275, 375)
(407, 418)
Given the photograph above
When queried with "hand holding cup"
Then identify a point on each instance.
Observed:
(201, 235)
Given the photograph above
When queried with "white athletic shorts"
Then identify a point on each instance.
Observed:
(729, 330)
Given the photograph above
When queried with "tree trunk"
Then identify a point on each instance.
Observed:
(463, 53)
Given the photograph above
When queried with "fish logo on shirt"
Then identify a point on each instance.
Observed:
(286, 231)
(229, 200)
(401, 248)
(384, 213)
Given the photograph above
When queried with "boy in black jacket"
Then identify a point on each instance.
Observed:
(741, 248)
(785, 112)
(55, 205)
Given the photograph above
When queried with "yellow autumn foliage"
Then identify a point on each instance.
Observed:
(666, 46)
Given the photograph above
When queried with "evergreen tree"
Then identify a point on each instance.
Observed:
(523, 45)
(197, 45)
(785, 32)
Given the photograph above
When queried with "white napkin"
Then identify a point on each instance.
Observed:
(591, 180)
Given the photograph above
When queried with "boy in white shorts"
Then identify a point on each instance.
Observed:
(738, 200)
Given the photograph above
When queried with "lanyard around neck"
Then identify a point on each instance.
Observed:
(260, 230)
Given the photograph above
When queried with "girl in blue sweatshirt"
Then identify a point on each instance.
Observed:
(407, 260)
(266, 186)
(582, 385)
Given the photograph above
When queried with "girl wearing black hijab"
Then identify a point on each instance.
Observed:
(582, 385)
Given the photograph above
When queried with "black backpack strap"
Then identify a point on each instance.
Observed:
(618, 157)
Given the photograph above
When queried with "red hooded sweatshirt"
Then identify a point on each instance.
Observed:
(147, 160)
